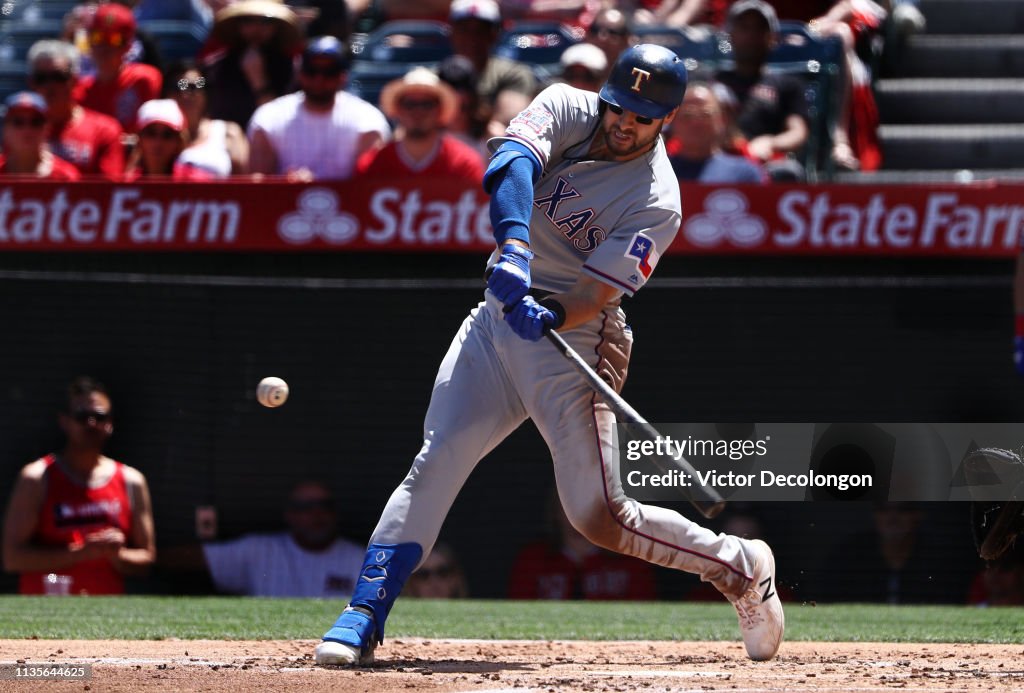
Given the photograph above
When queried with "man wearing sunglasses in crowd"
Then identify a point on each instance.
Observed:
(89, 140)
(308, 559)
(319, 132)
(77, 521)
(24, 141)
(119, 87)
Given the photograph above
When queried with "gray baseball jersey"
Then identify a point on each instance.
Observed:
(610, 220)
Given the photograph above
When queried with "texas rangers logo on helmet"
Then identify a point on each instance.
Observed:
(642, 248)
(641, 77)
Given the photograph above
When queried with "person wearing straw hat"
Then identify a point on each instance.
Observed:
(422, 106)
(259, 40)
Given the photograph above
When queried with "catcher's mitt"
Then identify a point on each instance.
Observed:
(995, 478)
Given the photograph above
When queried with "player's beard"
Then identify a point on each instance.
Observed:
(630, 148)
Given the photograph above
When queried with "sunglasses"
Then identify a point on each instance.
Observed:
(607, 31)
(85, 416)
(34, 123)
(617, 110)
(328, 72)
(54, 77)
(444, 571)
(165, 134)
(580, 76)
(301, 506)
(419, 104)
(191, 85)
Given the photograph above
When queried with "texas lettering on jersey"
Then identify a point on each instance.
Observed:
(575, 225)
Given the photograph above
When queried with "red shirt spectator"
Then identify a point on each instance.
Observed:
(118, 88)
(24, 141)
(542, 571)
(88, 139)
(422, 105)
(91, 142)
(70, 511)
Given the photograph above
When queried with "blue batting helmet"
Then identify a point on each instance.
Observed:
(647, 79)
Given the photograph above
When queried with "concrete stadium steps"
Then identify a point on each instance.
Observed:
(974, 16)
(952, 146)
(901, 177)
(944, 101)
(972, 55)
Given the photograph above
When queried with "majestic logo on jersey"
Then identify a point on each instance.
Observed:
(642, 248)
(318, 215)
(725, 216)
(641, 77)
(89, 513)
(575, 226)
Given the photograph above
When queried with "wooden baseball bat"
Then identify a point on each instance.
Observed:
(705, 499)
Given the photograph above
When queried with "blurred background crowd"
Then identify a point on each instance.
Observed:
(204, 89)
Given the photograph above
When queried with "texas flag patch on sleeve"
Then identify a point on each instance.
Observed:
(642, 248)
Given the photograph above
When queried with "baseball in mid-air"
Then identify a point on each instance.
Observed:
(272, 392)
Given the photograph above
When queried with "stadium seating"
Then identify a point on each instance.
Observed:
(176, 39)
(392, 50)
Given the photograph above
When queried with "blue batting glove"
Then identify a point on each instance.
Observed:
(529, 319)
(510, 278)
(1018, 354)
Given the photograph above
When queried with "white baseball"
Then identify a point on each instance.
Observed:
(272, 392)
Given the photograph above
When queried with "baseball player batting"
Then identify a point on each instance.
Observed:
(583, 201)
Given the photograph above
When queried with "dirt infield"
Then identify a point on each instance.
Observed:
(408, 664)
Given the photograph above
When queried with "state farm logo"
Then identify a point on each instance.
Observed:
(725, 217)
(318, 216)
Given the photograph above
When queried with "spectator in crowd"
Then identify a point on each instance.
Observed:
(584, 66)
(218, 147)
(118, 87)
(772, 111)
(573, 13)
(612, 32)
(568, 566)
(77, 521)
(680, 14)
(85, 138)
(327, 17)
(697, 133)
(470, 120)
(162, 138)
(320, 132)
(1000, 582)
(309, 559)
(897, 561)
(24, 141)
(412, 9)
(422, 106)
(476, 25)
(258, 39)
(440, 576)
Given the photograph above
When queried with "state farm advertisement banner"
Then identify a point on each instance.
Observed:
(444, 216)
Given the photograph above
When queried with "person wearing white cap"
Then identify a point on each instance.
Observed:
(584, 66)
(422, 106)
(162, 137)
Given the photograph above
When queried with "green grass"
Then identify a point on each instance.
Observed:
(258, 619)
